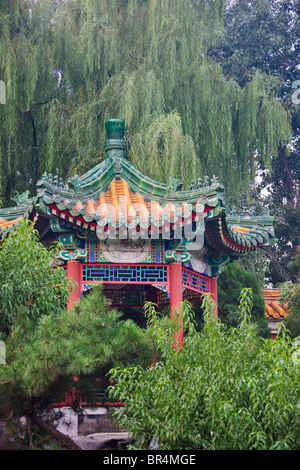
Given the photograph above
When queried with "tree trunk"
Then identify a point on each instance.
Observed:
(36, 151)
(66, 440)
(290, 180)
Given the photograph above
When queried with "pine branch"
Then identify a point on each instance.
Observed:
(65, 440)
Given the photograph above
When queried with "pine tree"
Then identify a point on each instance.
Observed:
(46, 346)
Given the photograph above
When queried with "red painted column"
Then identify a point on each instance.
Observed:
(214, 291)
(175, 287)
(73, 272)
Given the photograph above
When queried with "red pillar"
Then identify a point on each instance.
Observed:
(73, 272)
(175, 287)
(214, 291)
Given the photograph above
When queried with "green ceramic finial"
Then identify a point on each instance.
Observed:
(115, 128)
(115, 145)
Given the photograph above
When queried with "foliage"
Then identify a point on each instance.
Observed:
(230, 284)
(290, 296)
(282, 201)
(225, 389)
(263, 36)
(51, 352)
(74, 342)
(58, 356)
(29, 286)
(69, 66)
(259, 35)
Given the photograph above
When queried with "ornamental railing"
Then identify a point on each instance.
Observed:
(140, 274)
(195, 281)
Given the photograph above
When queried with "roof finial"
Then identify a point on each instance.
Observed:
(115, 146)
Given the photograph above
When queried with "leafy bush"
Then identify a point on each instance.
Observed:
(227, 388)
(290, 296)
(29, 286)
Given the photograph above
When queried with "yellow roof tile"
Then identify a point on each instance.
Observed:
(273, 308)
(241, 229)
(119, 200)
(8, 223)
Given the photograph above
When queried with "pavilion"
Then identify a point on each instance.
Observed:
(142, 239)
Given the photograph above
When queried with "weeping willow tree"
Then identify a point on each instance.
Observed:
(70, 65)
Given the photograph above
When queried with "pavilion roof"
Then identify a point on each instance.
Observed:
(240, 234)
(115, 204)
(115, 194)
(121, 196)
(11, 216)
(5, 224)
(99, 180)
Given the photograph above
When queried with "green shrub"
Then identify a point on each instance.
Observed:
(227, 388)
